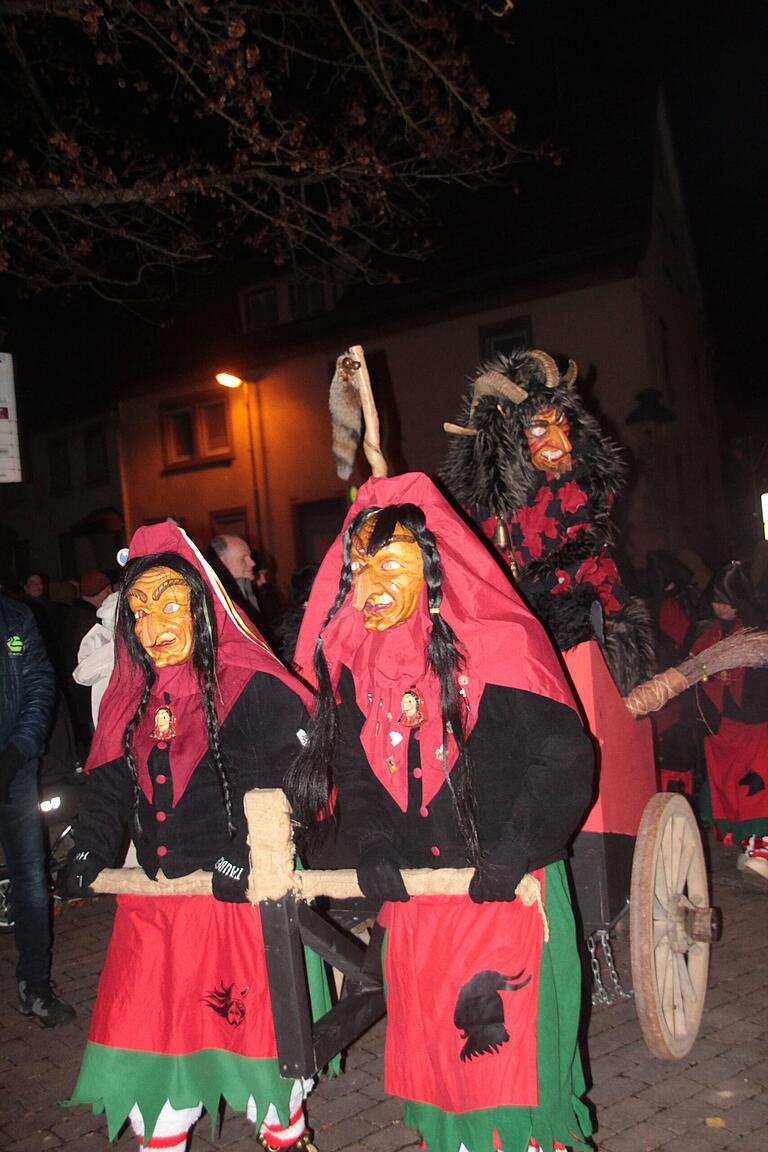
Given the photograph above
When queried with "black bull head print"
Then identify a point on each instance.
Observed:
(479, 1012)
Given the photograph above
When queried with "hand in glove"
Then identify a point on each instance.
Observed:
(78, 874)
(378, 873)
(230, 875)
(10, 762)
(497, 878)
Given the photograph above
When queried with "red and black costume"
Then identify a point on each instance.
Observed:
(672, 602)
(182, 1015)
(554, 526)
(482, 1013)
(733, 707)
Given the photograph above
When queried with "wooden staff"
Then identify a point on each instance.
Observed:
(746, 649)
(273, 874)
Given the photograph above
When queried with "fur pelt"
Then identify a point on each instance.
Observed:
(628, 647)
(491, 474)
(346, 417)
(493, 470)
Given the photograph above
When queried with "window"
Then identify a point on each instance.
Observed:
(59, 471)
(96, 462)
(229, 521)
(513, 335)
(196, 432)
(317, 524)
(259, 308)
(308, 298)
(311, 293)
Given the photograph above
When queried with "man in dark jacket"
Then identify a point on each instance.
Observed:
(26, 703)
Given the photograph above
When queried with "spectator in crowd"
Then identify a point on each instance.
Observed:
(287, 629)
(26, 700)
(49, 616)
(95, 586)
(267, 595)
(233, 563)
(96, 654)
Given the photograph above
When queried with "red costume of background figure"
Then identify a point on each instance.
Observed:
(198, 711)
(733, 706)
(672, 601)
(534, 469)
(484, 765)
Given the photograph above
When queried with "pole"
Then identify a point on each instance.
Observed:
(267, 543)
(254, 481)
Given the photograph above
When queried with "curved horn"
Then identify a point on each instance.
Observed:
(570, 373)
(493, 383)
(551, 370)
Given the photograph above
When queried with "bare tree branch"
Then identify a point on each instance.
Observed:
(139, 138)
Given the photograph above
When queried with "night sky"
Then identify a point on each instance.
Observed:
(711, 59)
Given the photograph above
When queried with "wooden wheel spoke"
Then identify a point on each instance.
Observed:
(679, 1022)
(661, 882)
(664, 962)
(660, 932)
(686, 859)
(686, 984)
(672, 848)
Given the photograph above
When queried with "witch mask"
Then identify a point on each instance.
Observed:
(159, 600)
(386, 584)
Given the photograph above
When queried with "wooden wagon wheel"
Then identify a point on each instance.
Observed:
(671, 926)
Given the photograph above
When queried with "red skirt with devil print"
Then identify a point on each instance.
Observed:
(183, 974)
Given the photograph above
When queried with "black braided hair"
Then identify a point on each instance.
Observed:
(203, 661)
(309, 780)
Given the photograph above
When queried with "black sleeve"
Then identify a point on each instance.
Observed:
(104, 806)
(362, 815)
(37, 692)
(542, 782)
(265, 731)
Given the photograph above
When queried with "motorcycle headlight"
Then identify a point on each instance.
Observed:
(51, 804)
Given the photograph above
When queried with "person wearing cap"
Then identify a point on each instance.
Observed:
(95, 586)
(733, 707)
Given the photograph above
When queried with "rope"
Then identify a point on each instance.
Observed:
(654, 694)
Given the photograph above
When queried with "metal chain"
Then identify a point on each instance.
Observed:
(600, 994)
(618, 993)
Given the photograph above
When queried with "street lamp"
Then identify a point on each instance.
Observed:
(229, 380)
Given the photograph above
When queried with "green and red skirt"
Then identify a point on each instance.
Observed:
(183, 1013)
(483, 1017)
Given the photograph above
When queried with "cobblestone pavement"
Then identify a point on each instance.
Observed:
(717, 1098)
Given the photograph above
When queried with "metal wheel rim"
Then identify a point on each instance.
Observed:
(669, 970)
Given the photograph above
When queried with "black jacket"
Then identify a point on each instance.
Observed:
(259, 738)
(533, 782)
(26, 681)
